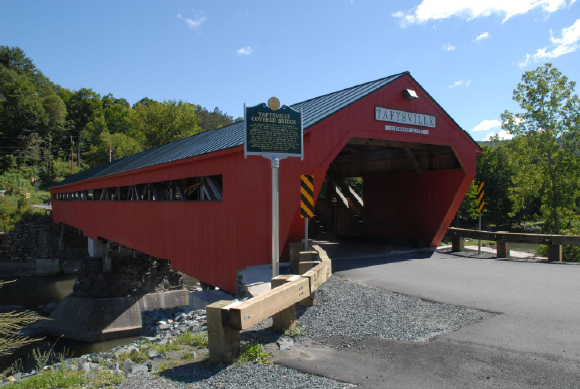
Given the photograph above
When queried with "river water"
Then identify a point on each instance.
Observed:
(30, 292)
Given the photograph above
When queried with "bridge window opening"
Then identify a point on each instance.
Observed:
(206, 188)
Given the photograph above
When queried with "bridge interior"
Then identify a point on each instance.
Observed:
(377, 165)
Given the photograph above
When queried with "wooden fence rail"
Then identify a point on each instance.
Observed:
(503, 240)
(225, 319)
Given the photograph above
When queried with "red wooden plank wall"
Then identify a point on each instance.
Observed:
(212, 240)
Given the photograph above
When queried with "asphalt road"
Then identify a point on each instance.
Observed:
(534, 342)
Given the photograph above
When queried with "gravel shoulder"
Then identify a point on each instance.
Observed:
(347, 316)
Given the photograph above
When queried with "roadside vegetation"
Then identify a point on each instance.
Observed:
(532, 181)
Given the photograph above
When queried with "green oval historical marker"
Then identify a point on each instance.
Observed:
(272, 131)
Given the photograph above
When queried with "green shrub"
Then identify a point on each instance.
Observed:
(69, 379)
(254, 352)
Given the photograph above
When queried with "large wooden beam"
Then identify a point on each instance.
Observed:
(367, 156)
(253, 311)
(334, 177)
(523, 238)
(416, 165)
(472, 234)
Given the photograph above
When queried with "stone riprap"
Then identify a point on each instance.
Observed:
(168, 322)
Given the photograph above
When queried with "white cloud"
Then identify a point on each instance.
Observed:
(471, 9)
(195, 23)
(503, 134)
(482, 36)
(460, 83)
(568, 43)
(448, 47)
(486, 125)
(246, 50)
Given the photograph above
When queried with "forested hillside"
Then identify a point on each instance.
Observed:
(41, 122)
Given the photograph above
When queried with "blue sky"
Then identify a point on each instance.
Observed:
(469, 55)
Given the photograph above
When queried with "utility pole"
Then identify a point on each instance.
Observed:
(72, 155)
(110, 152)
(79, 152)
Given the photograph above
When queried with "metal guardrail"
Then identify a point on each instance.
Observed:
(225, 319)
(504, 238)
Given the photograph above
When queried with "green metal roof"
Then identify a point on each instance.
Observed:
(313, 111)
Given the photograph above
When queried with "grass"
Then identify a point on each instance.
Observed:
(296, 331)
(17, 208)
(254, 352)
(69, 379)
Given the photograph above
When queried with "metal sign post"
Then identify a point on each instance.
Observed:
(275, 133)
(275, 219)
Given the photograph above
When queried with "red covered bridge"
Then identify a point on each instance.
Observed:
(200, 204)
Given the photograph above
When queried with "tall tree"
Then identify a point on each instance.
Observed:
(83, 106)
(211, 120)
(546, 138)
(156, 124)
(54, 118)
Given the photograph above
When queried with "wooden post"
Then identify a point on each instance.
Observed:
(295, 249)
(304, 267)
(502, 247)
(224, 341)
(305, 256)
(555, 253)
(457, 243)
(286, 318)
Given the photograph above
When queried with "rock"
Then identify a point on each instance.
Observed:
(128, 364)
(163, 327)
(139, 369)
(148, 338)
(86, 367)
(71, 367)
(114, 366)
(152, 353)
(17, 377)
(285, 343)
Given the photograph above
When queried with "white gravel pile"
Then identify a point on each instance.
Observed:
(250, 375)
(352, 311)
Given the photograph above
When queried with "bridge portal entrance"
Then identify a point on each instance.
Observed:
(387, 191)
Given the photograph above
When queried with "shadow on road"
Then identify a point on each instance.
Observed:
(347, 255)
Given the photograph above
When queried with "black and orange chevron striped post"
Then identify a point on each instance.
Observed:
(306, 203)
(480, 205)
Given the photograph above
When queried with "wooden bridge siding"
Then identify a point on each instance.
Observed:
(212, 241)
(208, 240)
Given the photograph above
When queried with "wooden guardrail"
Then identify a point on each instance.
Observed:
(225, 319)
(503, 240)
